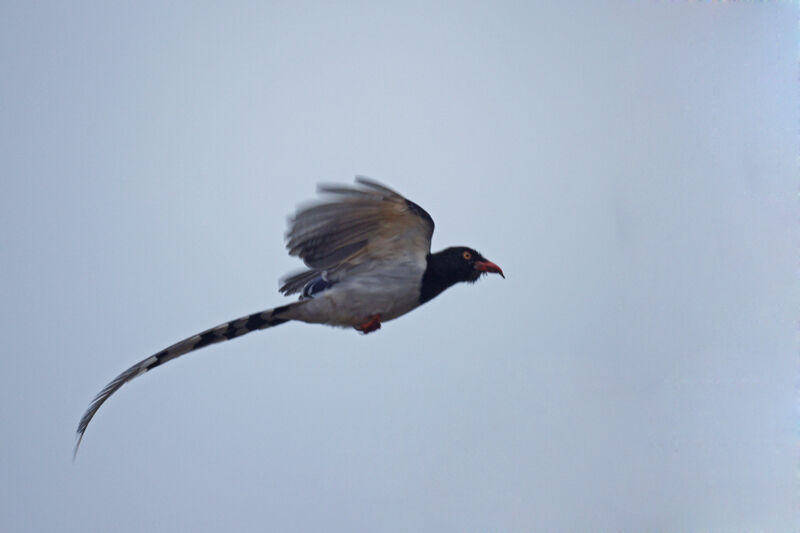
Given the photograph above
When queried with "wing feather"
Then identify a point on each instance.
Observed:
(367, 221)
(293, 283)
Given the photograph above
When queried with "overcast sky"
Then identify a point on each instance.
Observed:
(630, 165)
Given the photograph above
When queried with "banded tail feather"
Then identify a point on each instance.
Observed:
(223, 332)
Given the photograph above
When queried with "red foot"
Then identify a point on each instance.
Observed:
(373, 324)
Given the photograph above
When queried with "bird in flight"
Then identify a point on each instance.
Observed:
(368, 253)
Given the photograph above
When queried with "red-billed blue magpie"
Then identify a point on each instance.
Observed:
(367, 249)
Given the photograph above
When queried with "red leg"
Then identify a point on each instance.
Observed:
(373, 324)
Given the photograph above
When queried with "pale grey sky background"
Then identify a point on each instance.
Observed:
(630, 165)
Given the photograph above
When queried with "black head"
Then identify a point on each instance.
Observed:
(451, 266)
(465, 264)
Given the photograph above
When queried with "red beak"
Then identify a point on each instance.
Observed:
(488, 266)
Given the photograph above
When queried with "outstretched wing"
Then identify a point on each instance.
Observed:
(356, 223)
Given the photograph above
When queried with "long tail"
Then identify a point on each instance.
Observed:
(223, 332)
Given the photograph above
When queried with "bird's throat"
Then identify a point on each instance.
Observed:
(436, 278)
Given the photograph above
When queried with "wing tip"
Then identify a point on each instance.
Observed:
(375, 184)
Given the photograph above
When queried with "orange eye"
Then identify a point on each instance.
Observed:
(467, 256)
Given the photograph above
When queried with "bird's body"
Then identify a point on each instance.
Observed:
(369, 259)
(379, 288)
